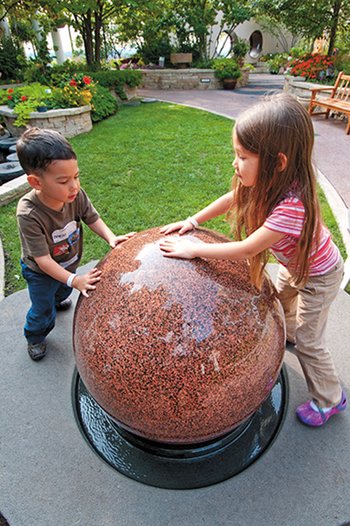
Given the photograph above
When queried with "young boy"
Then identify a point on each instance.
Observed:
(49, 220)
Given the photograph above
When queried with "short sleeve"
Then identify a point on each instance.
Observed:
(88, 213)
(287, 217)
(33, 237)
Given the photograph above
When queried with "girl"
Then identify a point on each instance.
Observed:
(274, 205)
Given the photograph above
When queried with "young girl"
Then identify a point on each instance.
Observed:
(274, 205)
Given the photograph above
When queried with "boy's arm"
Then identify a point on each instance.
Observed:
(101, 229)
(82, 283)
(216, 208)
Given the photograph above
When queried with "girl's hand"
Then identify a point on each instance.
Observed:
(87, 281)
(178, 248)
(181, 226)
(116, 240)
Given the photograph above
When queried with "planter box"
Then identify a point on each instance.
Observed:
(70, 121)
(301, 89)
(181, 58)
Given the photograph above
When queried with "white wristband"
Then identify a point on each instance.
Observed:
(70, 280)
(193, 222)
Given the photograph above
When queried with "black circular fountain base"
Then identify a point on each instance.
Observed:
(180, 466)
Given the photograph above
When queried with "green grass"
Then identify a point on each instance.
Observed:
(146, 166)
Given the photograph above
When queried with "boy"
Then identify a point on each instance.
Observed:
(49, 221)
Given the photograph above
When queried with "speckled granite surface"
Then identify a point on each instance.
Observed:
(177, 350)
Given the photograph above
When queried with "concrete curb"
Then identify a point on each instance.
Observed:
(341, 213)
(2, 272)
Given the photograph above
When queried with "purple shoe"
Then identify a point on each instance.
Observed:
(315, 418)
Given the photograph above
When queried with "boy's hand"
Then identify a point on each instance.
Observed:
(116, 240)
(86, 282)
(181, 226)
(178, 248)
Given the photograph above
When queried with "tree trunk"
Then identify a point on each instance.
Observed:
(334, 26)
(87, 34)
(98, 39)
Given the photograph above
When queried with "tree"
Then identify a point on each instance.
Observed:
(88, 17)
(308, 19)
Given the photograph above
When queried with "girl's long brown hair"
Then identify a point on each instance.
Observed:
(278, 124)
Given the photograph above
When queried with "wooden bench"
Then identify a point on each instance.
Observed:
(338, 101)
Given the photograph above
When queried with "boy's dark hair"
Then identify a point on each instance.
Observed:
(37, 148)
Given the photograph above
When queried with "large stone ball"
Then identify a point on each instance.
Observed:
(177, 351)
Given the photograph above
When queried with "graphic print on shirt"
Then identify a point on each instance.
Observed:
(64, 238)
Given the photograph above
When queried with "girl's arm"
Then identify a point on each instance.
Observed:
(257, 242)
(216, 208)
(101, 229)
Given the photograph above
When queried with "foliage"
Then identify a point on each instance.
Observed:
(77, 90)
(12, 59)
(73, 91)
(226, 68)
(103, 104)
(308, 19)
(240, 48)
(276, 61)
(312, 66)
(24, 100)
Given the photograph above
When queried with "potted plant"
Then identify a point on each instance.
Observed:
(227, 70)
(239, 49)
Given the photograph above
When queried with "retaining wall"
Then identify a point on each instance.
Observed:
(70, 121)
(186, 79)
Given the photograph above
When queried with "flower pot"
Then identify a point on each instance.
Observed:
(229, 84)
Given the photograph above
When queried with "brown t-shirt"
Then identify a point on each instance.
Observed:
(45, 231)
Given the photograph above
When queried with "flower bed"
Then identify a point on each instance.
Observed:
(68, 121)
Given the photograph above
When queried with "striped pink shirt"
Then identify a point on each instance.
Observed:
(288, 217)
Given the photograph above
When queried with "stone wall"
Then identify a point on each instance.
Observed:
(186, 79)
(70, 121)
(301, 89)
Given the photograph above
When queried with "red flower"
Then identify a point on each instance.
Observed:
(10, 90)
(23, 98)
(9, 97)
(87, 80)
(73, 83)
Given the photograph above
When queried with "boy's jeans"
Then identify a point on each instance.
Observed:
(45, 293)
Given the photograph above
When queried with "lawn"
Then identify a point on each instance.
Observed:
(147, 166)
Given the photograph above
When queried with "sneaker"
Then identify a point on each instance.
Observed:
(312, 415)
(36, 351)
(64, 305)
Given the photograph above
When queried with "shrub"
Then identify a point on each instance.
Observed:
(226, 68)
(103, 104)
(12, 60)
(276, 62)
(117, 79)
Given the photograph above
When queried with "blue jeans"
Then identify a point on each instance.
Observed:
(45, 293)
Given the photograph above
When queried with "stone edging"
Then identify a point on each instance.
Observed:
(69, 121)
(13, 189)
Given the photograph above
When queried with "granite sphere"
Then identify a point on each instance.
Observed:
(177, 351)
